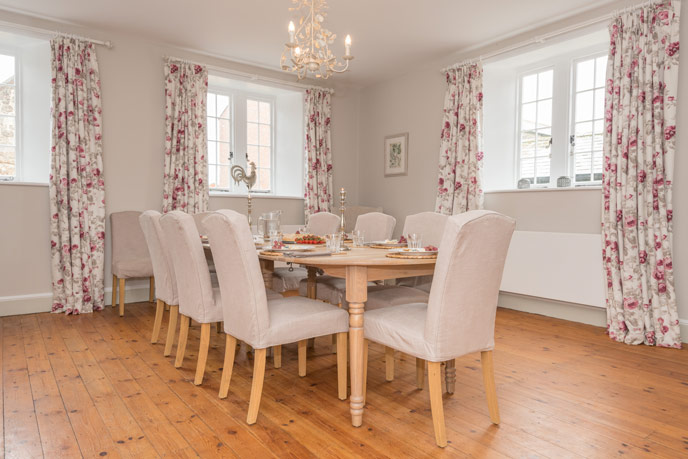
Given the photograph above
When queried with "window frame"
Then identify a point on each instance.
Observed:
(239, 126)
(18, 87)
(232, 134)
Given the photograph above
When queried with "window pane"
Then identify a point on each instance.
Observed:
(544, 113)
(599, 104)
(527, 144)
(222, 106)
(582, 163)
(544, 138)
(7, 100)
(598, 142)
(265, 135)
(223, 153)
(212, 129)
(529, 89)
(599, 127)
(264, 157)
(600, 71)
(8, 161)
(585, 75)
(265, 115)
(252, 111)
(212, 176)
(597, 164)
(252, 134)
(583, 129)
(545, 84)
(210, 105)
(212, 152)
(264, 179)
(542, 169)
(223, 130)
(528, 169)
(7, 130)
(528, 116)
(252, 152)
(6, 69)
(584, 106)
(223, 178)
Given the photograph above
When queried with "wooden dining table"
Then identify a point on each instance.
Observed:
(358, 266)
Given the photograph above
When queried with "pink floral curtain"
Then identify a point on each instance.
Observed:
(77, 189)
(461, 151)
(185, 181)
(318, 113)
(639, 148)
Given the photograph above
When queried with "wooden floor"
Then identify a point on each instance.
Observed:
(93, 385)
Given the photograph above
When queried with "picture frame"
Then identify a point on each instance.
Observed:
(396, 155)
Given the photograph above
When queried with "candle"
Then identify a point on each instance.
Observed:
(347, 44)
(292, 30)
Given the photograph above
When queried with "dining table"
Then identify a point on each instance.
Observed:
(359, 266)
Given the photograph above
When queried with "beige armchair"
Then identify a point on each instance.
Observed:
(251, 317)
(130, 257)
(459, 317)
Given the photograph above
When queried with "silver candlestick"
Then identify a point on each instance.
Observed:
(342, 209)
(239, 175)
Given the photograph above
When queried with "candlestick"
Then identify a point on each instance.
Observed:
(342, 208)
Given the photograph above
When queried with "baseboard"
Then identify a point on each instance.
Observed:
(42, 302)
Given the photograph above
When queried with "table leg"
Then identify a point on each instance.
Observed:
(311, 289)
(267, 267)
(356, 294)
(450, 375)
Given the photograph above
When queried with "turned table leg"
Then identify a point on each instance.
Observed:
(450, 375)
(356, 294)
(267, 267)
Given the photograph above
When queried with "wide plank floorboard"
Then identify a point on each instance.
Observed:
(94, 386)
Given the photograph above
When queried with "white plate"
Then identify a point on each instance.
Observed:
(389, 244)
(290, 248)
(414, 252)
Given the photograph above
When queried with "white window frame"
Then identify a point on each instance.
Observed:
(238, 121)
(17, 119)
(572, 118)
(232, 143)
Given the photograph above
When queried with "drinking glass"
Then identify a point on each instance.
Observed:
(414, 241)
(334, 242)
(358, 238)
(274, 236)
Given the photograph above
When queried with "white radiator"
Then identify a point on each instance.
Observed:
(559, 266)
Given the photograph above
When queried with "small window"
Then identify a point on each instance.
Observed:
(588, 120)
(219, 108)
(535, 132)
(8, 118)
(259, 141)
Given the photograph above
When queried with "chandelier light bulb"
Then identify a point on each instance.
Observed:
(292, 30)
(347, 45)
(297, 51)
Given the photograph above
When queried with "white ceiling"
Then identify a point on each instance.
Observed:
(389, 36)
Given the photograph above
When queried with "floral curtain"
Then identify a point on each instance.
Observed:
(77, 189)
(318, 112)
(461, 151)
(639, 148)
(185, 180)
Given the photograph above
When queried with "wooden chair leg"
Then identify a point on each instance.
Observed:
(183, 337)
(171, 330)
(159, 311)
(365, 369)
(121, 297)
(435, 386)
(311, 343)
(490, 388)
(334, 344)
(277, 356)
(450, 375)
(114, 291)
(341, 365)
(420, 373)
(218, 327)
(167, 307)
(230, 351)
(302, 357)
(151, 289)
(256, 385)
(389, 364)
(202, 354)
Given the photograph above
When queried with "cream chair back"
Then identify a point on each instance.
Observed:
(376, 226)
(323, 223)
(198, 220)
(194, 286)
(468, 273)
(165, 282)
(351, 214)
(430, 225)
(130, 257)
(244, 302)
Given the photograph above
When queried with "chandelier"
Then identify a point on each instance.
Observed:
(308, 50)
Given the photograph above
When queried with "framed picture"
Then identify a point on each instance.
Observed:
(396, 154)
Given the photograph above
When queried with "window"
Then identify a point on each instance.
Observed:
(536, 127)
(543, 114)
(588, 120)
(246, 123)
(8, 118)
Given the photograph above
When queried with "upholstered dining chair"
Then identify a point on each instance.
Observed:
(351, 214)
(459, 317)
(376, 226)
(165, 281)
(323, 223)
(251, 317)
(198, 220)
(130, 257)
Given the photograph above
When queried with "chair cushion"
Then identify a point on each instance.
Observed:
(284, 280)
(401, 328)
(133, 267)
(330, 289)
(295, 318)
(384, 296)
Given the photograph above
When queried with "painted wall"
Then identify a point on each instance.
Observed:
(133, 134)
(413, 103)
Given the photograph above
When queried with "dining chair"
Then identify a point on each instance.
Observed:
(165, 281)
(198, 220)
(376, 226)
(351, 214)
(251, 317)
(323, 223)
(130, 257)
(198, 299)
(459, 317)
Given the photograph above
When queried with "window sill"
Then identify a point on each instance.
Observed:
(541, 190)
(221, 194)
(13, 183)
